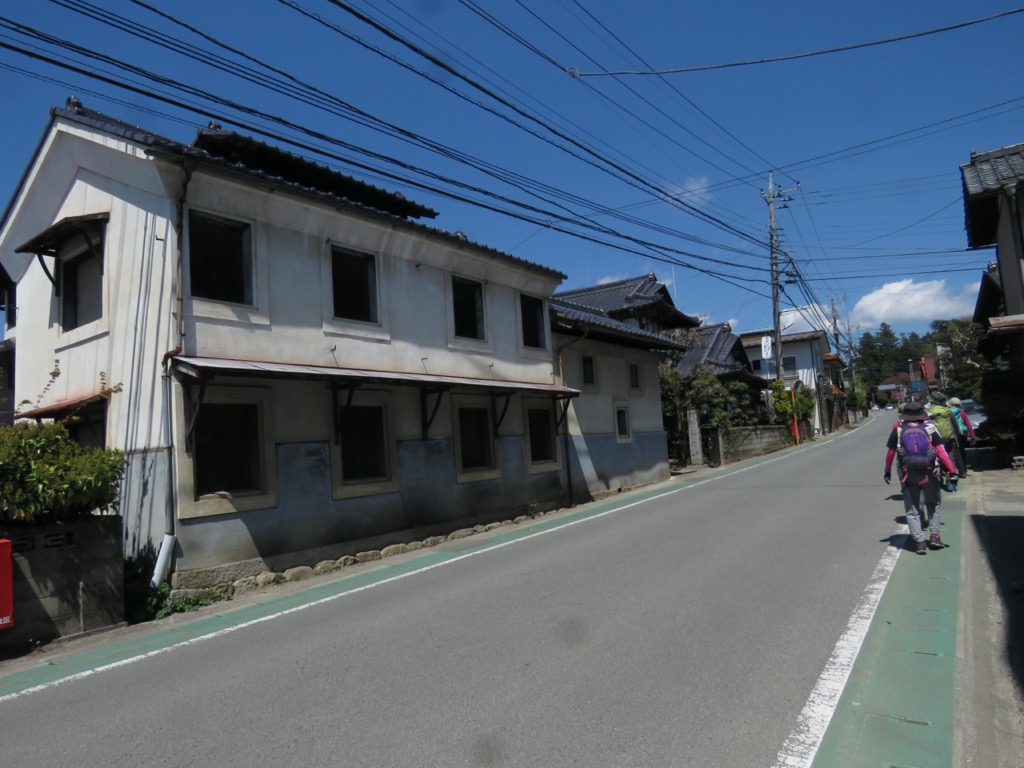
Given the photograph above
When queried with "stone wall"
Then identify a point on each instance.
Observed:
(68, 580)
(758, 441)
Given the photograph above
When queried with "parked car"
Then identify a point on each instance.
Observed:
(974, 412)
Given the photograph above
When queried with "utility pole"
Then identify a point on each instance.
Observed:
(773, 240)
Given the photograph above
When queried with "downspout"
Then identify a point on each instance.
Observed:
(163, 559)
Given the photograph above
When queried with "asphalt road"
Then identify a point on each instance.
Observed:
(684, 630)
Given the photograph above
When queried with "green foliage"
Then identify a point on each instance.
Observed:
(885, 358)
(142, 602)
(187, 603)
(46, 476)
(725, 406)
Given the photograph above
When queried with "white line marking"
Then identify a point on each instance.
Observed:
(803, 743)
(321, 601)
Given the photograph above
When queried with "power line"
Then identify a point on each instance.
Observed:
(793, 56)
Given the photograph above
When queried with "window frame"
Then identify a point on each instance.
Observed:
(357, 487)
(77, 251)
(592, 382)
(247, 259)
(539, 309)
(618, 410)
(534, 466)
(790, 372)
(635, 385)
(463, 474)
(227, 503)
(455, 303)
(372, 292)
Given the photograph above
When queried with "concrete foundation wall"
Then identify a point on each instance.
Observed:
(757, 441)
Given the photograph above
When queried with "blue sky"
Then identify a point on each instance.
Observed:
(469, 107)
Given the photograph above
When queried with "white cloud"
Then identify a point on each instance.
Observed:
(610, 279)
(907, 301)
(694, 191)
(812, 317)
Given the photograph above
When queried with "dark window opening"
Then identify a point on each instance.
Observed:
(622, 422)
(354, 278)
(364, 451)
(81, 290)
(87, 426)
(789, 365)
(634, 376)
(541, 425)
(468, 308)
(476, 447)
(227, 449)
(588, 370)
(532, 310)
(220, 259)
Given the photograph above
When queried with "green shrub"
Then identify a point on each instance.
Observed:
(46, 476)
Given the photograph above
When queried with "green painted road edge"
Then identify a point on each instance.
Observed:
(163, 639)
(898, 708)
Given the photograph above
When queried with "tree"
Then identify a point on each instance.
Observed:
(961, 364)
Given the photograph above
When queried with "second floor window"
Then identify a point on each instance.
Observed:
(220, 259)
(468, 308)
(354, 277)
(81, 289)
(789, 365)
(589, 376)
(532, 311)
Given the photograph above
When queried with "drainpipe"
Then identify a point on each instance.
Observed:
(163, 559)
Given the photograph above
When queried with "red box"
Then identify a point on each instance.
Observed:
(6, 585)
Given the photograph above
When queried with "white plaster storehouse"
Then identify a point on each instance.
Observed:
(304, 370)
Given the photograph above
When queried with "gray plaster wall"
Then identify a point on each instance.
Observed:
(601, 464)
(145, 499)
(308, 524)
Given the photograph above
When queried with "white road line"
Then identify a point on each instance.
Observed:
(802, 744)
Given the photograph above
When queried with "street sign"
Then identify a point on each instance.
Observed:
(766, 347)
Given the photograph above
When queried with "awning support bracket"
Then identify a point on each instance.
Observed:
(427, 421)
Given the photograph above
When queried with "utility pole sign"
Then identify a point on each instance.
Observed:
(773, 242)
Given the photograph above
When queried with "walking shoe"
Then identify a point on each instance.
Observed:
(920, 547)
(936, 542)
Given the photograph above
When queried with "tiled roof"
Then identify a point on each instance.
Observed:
(626, 298)
(254, 159)
(753, 338)
(577, 318)
(984, 179)
(715, 347)
(992, 171)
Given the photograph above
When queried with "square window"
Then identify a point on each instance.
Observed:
(540, 425)
(220, 259)
(81, 289)
(468, 308)
(532, 312)
(354, 280)
(589, 375)
(634, 376)
(476, 444)
(227, 449)
(364, 446)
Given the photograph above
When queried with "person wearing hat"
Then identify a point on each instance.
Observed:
(917, 442)
(946, 424)
(965, 430)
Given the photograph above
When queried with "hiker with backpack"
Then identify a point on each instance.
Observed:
(944, 422)
(964, 428)
(917, 442)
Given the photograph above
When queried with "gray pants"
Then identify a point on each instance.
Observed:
(919, 498)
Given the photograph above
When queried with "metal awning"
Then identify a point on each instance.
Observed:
(61, 407)
(206, 367)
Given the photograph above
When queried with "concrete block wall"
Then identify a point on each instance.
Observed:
(68, 579)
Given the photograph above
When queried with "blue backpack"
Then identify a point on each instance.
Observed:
(915, 448)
